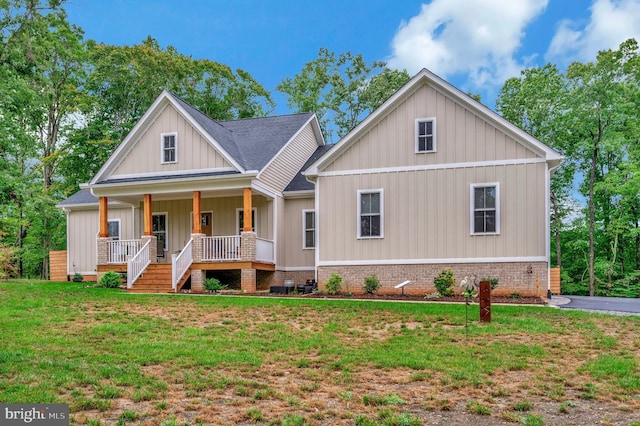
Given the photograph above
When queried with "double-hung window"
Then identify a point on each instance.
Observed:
(425, 134)
(370, 214)
(114, 229)
(308, 229)
(169, 150)
(240, 220)
(485, 208)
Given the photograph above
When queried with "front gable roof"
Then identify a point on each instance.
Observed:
(247, 144)
(427, 77)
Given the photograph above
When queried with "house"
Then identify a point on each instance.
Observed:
(431, 180)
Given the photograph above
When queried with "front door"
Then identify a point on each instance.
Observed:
(207, 228)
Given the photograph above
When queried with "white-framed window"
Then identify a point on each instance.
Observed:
(169, 148)
(485, 208)
(425, 134)
(370, 213)
(113, 226)
(159, 229)
(240, 220)
(308, 229)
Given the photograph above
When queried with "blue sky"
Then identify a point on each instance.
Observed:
(474, 44)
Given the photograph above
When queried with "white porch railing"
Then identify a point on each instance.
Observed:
(180, 264)
(221, 248)
(118, 251)
(264, 250)
(137, 264)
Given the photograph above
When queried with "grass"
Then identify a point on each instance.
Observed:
(264, 359)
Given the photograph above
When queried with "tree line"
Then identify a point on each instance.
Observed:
(67, 102)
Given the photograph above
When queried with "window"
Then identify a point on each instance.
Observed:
(169, 148)
(308, 229)
(370, 214)
(240, 220)
(159, 229)
(485, 208)
(114, 229)
(425, 135)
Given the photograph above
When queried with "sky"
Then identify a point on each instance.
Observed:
(474, 44)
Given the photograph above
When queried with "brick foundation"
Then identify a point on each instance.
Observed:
(248, 280)
(197, 281)
(525, 278)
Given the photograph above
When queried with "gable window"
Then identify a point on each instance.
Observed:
(113, 227)
(169, 148)
(485, 208)
(240, 220)
(308, 229)
(370, 214)
(426, 134)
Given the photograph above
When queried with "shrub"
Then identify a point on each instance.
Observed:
(7, 269)
(444, 282)
(213, 284)
(371, 284)
(77, 277)
(493, 281)
(110, 279)
(334, 285)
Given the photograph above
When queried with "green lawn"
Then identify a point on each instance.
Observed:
(118, 358)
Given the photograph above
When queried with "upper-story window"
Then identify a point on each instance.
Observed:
(426, 134)
(485, 208)
(169, 150)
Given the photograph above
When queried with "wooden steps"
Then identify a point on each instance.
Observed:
(155, 279)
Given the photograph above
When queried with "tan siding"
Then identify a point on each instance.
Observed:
(286, 165)
(82, 228)
(194, 152)
(461, 136)
(293, 255)
(223, 210)
(427, 214)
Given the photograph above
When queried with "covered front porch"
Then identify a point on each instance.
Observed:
(181, 235)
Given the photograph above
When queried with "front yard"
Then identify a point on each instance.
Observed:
(120, 358)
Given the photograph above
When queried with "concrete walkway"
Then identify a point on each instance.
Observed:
(614, 305)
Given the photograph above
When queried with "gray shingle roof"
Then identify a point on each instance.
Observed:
(252, 142)
(167, 177)
(299, 182)
(83, 196)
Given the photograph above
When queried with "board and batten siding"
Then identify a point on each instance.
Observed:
(194, 152)
(290, 160)
(82, 231)
(462, 136)
(427, 214)
(291, 253)
(179, 224)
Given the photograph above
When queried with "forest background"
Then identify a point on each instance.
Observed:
(67, 102)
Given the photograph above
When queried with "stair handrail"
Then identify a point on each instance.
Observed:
(180, 264)
(137, 264)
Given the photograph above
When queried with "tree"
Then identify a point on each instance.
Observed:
(599, 107)
(341, 90)
(535, 102)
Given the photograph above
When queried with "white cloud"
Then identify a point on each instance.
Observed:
(478, 38)
(611, 22)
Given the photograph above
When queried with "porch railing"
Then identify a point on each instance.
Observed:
(264, 250)
(221, 248)
(137, 264)
(180, 264)
(118, 251)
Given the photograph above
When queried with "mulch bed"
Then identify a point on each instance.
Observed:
(414, 298)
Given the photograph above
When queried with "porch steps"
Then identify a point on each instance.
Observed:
(155, 279)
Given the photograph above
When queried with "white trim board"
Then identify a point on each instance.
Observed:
(383, 262)
(444, 166)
